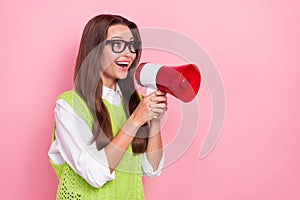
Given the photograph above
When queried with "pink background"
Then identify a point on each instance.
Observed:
(255, 45)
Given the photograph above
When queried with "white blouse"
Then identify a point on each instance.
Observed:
(71, 144)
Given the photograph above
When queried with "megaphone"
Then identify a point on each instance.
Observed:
(183, 82)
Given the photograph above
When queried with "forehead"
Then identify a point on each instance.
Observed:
(119, 31)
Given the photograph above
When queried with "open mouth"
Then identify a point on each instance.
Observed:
(123, 64)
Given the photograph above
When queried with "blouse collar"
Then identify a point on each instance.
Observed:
(112, 96)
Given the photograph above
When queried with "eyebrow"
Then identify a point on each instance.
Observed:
(119, 37)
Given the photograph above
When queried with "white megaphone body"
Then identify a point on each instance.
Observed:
(183, 82)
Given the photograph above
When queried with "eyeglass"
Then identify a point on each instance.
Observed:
(118, 46)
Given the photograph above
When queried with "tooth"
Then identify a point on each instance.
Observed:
(123, 63)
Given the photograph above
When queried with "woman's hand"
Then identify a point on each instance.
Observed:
(159, 107)
(152, 106)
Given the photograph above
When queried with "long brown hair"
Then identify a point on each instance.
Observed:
(89, 85)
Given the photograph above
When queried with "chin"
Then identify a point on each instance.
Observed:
(122, 76)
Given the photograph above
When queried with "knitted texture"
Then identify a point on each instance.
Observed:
(128, 176)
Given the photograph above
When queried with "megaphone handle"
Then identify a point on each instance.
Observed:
(149, 91)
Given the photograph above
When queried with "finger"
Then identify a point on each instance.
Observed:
(159, 105)
(158, 99)
(160, 93)
(157, 110)
(153, 94)
(155, 115)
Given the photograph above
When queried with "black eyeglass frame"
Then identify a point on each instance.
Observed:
(132, 45)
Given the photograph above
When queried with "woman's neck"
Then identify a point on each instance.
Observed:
(110, 84)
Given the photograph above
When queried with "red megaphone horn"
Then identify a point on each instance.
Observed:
(182, 81)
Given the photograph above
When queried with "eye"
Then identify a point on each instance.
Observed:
(116, 43)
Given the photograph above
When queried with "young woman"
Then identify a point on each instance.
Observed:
(106, 135)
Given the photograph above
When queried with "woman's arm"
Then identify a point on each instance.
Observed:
(116, 149)
(154, 150)
(149, 107)
(72, 145)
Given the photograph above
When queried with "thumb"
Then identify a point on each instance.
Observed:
(152, 94)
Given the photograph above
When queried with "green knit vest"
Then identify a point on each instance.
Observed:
(128, 177)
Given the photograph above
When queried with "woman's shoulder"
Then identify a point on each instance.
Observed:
(67, 94)
(72, 98)
(78, 104)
